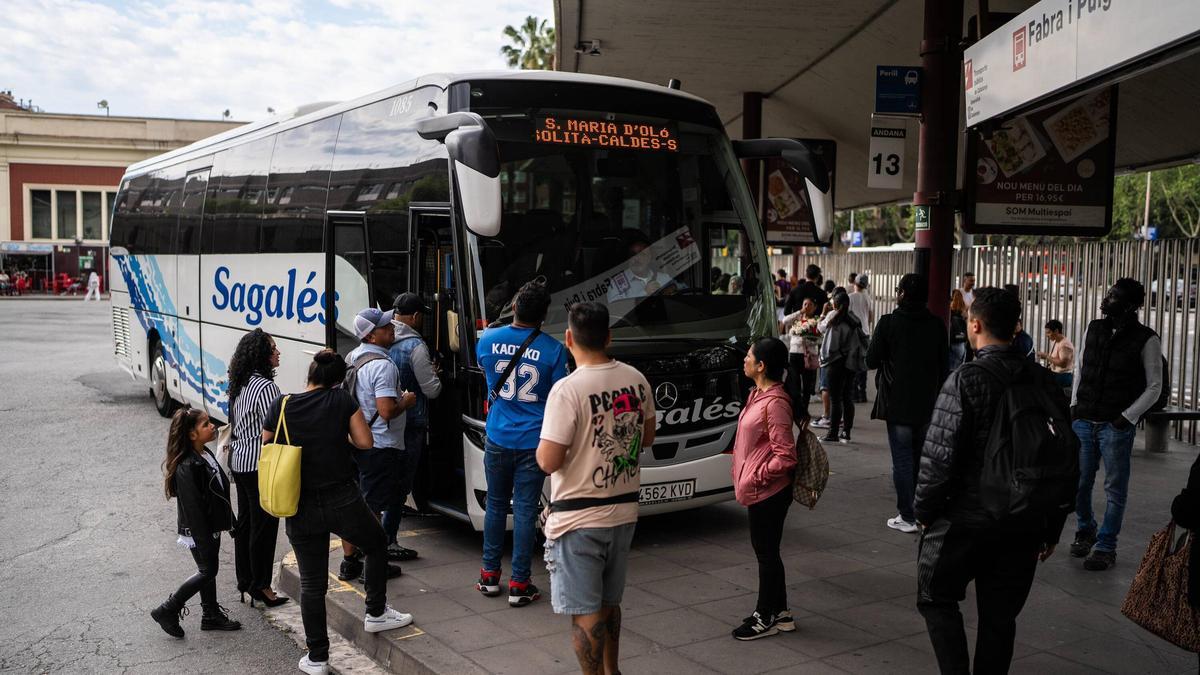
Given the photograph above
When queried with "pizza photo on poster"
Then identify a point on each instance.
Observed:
(1049, 172)
(787, 215)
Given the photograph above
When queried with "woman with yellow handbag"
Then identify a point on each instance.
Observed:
(325, 425)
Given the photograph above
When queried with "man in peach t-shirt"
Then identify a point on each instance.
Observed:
(598, 419)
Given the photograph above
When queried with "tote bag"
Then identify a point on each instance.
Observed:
(279, 472)
(1158, 596)
(812, 469)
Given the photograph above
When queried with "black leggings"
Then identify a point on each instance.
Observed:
(254, 547)
(841, 397)
(204, 581)
(766, 531)
(340, 510)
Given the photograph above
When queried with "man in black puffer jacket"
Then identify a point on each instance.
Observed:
(960, 541)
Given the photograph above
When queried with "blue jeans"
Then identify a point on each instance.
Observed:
(511, 475)
(905, 441)
(958, 355)
(409, 458)
(1099, 441)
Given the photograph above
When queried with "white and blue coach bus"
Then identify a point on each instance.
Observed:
(462, 188)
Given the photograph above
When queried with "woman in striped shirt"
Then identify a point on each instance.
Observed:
(252, 390)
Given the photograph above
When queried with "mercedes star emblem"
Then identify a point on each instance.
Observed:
(666, 395)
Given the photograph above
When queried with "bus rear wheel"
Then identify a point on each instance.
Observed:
(158, 383)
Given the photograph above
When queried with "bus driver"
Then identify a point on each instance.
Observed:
(642, 279)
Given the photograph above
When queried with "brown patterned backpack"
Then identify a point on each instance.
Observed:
(812, 469)
(1158, 596)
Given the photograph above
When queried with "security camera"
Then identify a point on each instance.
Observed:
(588, 47)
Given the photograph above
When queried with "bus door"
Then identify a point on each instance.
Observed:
(347, 277)
(434, 278)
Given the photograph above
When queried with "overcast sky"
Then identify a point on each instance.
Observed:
(196, 58)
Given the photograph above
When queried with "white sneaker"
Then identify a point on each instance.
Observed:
(899, 523)
(821, 423)
(389, 620)
(313, 667)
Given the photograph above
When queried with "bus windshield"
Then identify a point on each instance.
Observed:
(640, 213)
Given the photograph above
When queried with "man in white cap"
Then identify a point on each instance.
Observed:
(374, 381)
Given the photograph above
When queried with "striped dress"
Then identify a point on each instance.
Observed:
(249, 410)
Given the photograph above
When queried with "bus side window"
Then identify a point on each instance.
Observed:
(238, 206)
(297, 188)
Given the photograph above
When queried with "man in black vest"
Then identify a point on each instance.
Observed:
(1118, 377)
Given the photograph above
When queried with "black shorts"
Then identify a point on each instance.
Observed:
(380, 471)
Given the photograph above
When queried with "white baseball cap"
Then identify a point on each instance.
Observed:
(369, 319)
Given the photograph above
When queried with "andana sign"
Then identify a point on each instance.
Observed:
(1058, 43)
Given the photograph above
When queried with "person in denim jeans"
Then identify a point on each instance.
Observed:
(912, 344)
(1118, 377)
(514, 422)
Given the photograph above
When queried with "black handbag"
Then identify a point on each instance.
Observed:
(884, 378)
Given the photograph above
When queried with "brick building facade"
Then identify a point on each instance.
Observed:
(59, 176)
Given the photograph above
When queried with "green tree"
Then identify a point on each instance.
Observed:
(532, 45)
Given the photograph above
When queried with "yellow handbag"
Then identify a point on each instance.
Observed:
(279, 472)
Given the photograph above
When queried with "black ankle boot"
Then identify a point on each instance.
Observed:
(168, 615)
(215, 618)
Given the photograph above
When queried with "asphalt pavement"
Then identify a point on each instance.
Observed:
(87, 540)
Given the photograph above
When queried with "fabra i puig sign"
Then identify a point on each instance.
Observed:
(1058, 43)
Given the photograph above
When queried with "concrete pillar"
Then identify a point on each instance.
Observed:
(937, 159)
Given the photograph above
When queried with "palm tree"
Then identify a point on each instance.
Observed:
(534, 45)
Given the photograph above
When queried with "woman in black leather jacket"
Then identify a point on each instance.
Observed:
(193, 476)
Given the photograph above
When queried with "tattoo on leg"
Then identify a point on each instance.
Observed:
(589, 647)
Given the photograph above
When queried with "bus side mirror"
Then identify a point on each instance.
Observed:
(817, 184)
(475, 157)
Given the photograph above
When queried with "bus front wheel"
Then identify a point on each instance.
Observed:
(158, 383)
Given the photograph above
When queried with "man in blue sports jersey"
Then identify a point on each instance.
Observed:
(514, 424)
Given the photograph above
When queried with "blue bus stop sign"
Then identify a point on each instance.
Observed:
(897, 90)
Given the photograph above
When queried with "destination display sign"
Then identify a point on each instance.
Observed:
(595, 133)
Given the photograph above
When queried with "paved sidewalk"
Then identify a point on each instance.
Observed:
(851, 586)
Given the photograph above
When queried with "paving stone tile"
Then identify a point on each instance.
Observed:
(879, 553)
(520, 659)
(819, 538)
(883, 619)
(821, 564)
(661, 663)
(649, 568)
(637, 601)
(469, 633)
(697, 587)
(889, 657)
(808, 668)
(446, 577)
(820, 596)
(732, 610)
(876, 583)
(676, 627)
(1114, 654)
(727, 655)
(707, 557)
(530, 621)
(1044, 663)
(821, 636)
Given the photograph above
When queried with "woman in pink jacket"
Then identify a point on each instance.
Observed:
(764, 459)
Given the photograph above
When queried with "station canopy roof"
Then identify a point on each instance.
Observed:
(815, 60)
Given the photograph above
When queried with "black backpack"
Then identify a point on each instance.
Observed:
(1031, 462)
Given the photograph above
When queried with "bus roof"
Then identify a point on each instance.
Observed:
(309, 113)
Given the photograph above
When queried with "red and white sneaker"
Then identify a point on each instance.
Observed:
(521, 593)
(489, 583)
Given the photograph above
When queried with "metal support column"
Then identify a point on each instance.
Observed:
(937, 160)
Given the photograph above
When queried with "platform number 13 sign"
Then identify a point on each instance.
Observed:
(885, 168)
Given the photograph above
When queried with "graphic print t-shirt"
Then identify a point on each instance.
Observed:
(598, 413)
(514, 418)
